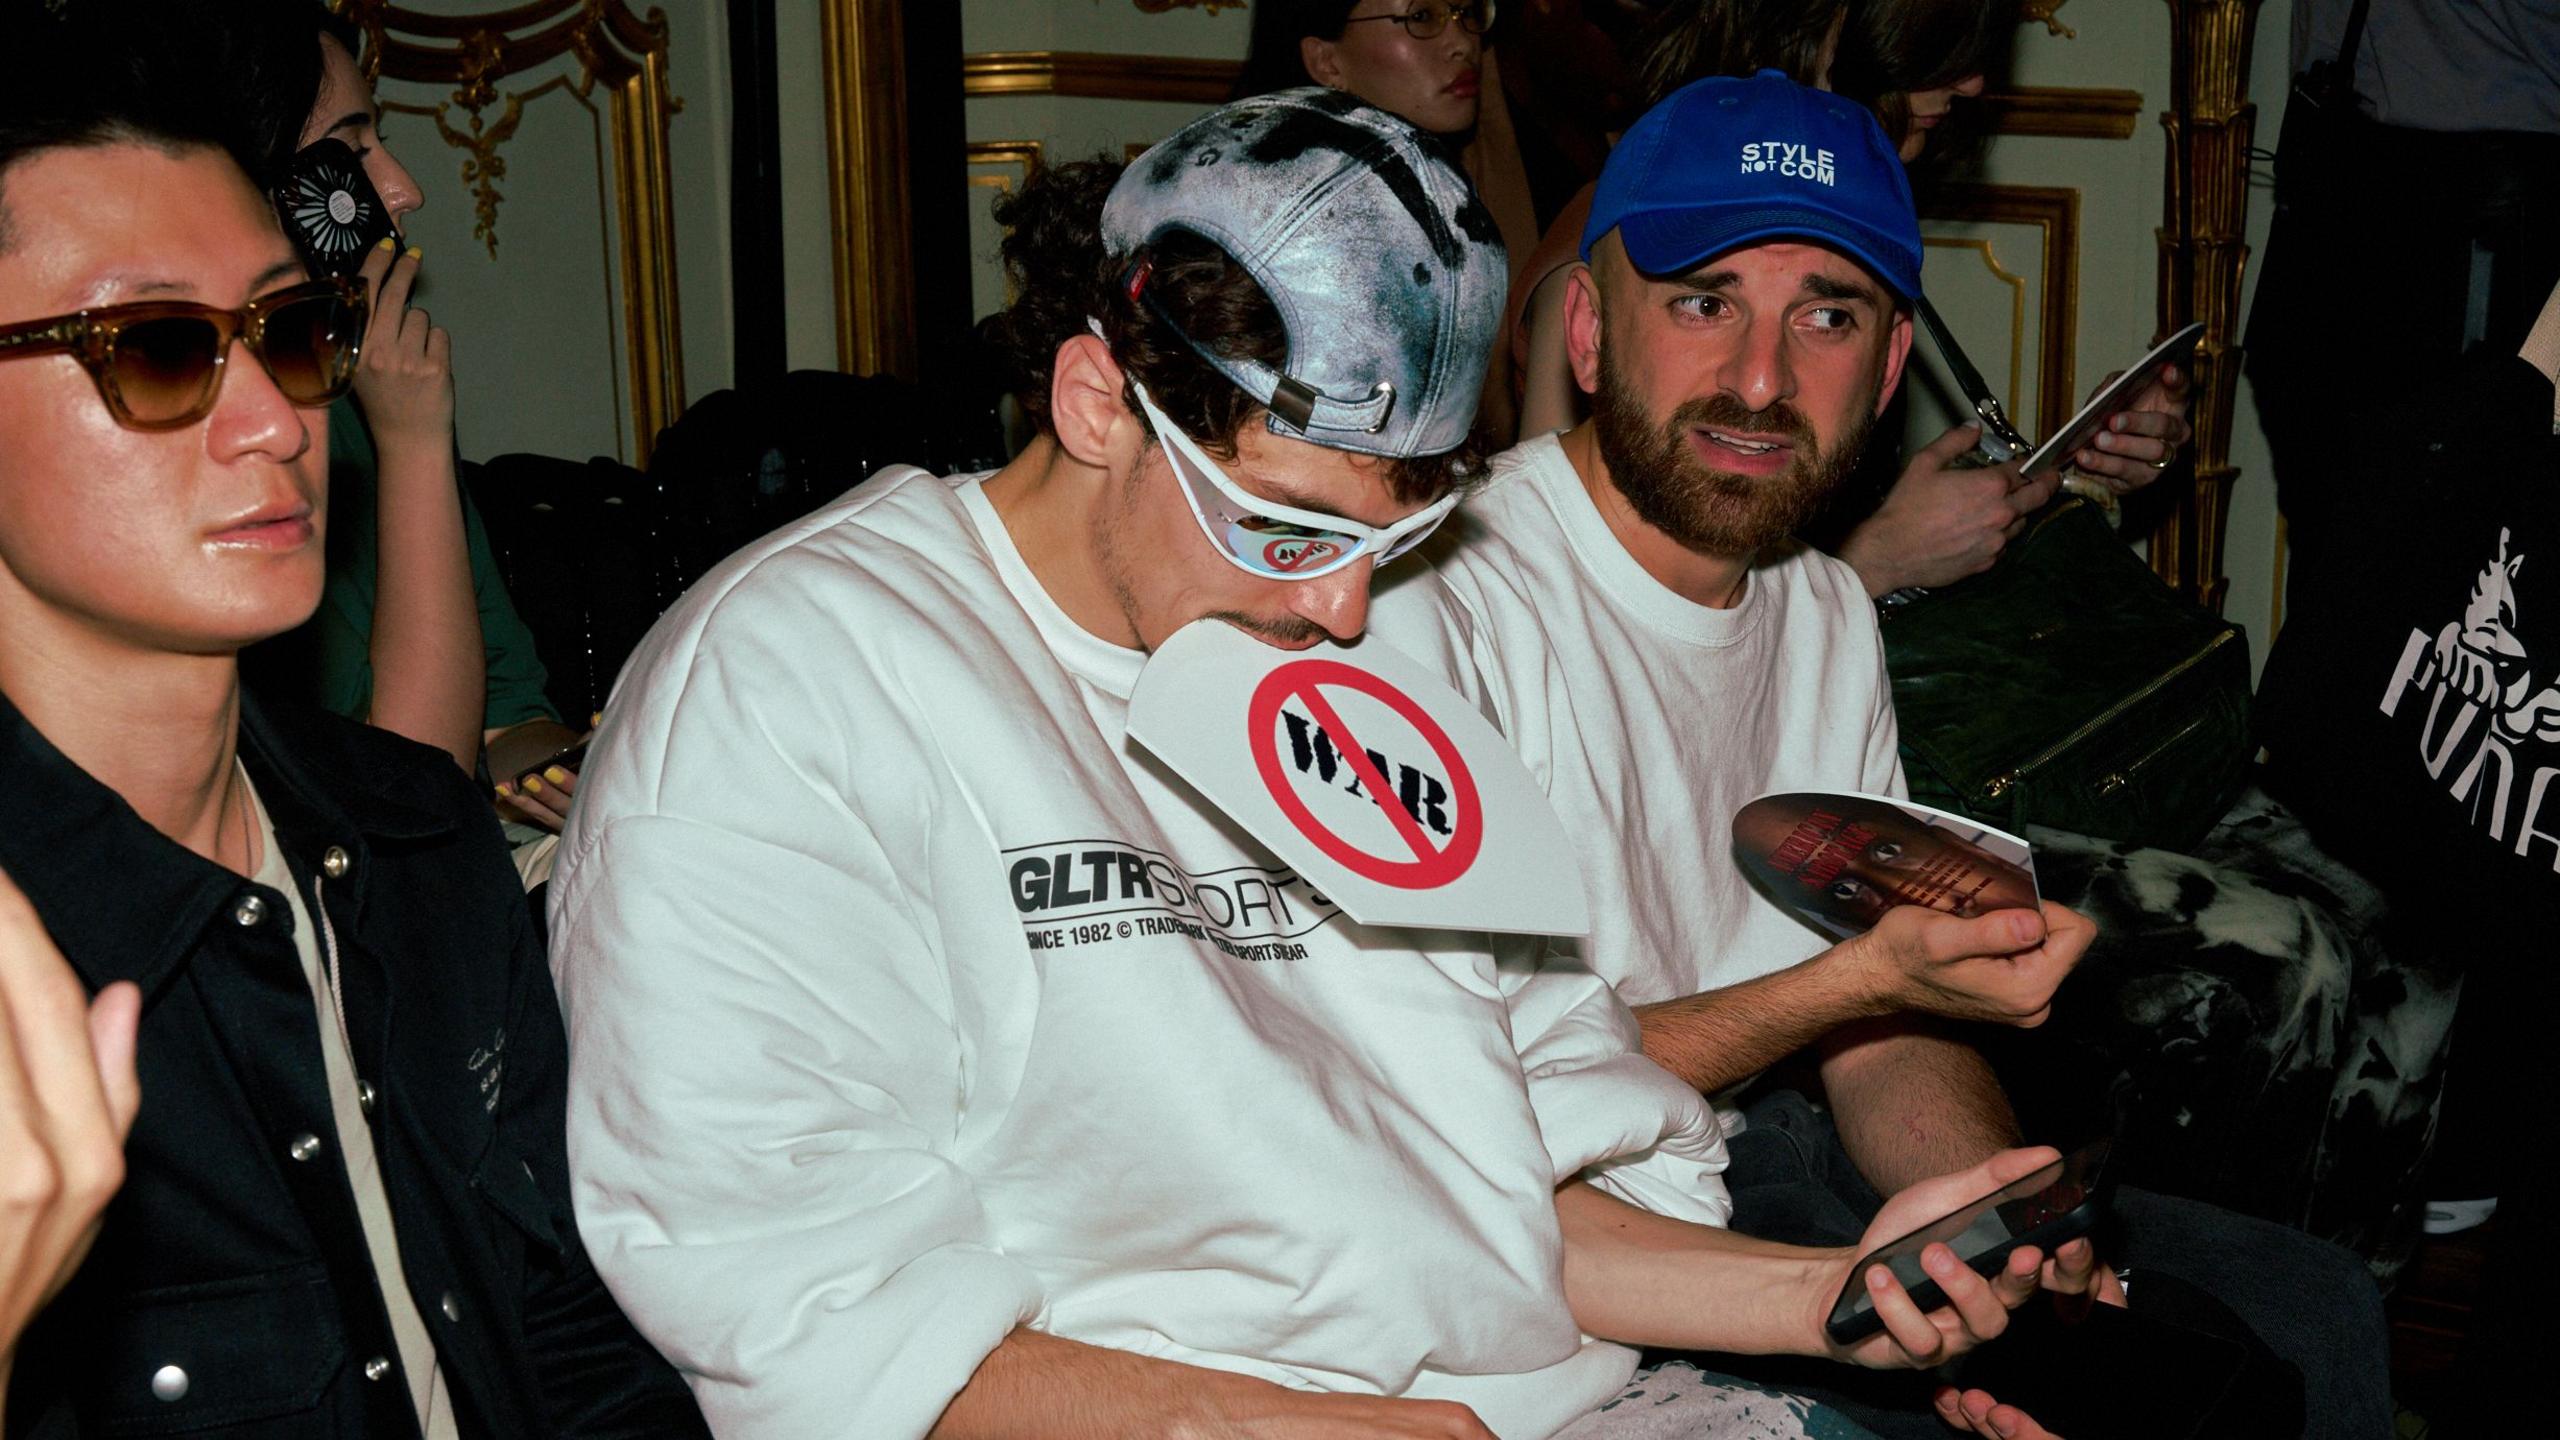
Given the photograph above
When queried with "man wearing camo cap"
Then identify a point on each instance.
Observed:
(878, 1131)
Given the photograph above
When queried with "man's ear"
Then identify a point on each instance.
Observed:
(1582, 326)
(1897, 349)
(1323, 59)
(1087, 415)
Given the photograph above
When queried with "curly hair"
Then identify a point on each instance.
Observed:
(1061, 275)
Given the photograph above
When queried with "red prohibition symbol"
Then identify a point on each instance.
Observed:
(1294, 554)
(1429, 866)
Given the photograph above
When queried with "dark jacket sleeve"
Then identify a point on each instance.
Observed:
(599, 1378)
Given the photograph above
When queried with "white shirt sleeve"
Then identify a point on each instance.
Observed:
(767, 1078)
(1606, 1112)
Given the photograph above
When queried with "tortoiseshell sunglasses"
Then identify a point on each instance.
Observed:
(158, 363)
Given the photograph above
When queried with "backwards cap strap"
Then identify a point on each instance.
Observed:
(1292, 401)
(1303, 408)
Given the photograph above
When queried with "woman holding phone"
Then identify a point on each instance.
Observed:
(415, 634)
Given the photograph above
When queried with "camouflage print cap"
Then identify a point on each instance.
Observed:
(1386, 268)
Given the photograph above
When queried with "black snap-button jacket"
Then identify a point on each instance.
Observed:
(225, 1260)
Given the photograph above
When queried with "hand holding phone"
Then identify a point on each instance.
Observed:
(2115, 397)
(566, 761)
(404, 377)
(2046, 1208)
(539, 791)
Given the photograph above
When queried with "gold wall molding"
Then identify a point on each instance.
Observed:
(624, 53)
(864, 43)
(2069, 112)
(2035, 12)
(2010, 281)
(1182, 79)
(2203, 250)
(998, 165)
(1098, 76)
(2054, 211)
(1022, 155)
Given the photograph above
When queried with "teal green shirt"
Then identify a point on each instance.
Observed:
(329, 660)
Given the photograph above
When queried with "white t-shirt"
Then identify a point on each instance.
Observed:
(908, 1004)
(1649, 718)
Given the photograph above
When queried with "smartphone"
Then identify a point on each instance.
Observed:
(2057, 1203)
(330, 211)
(569, 760)
(2076, 433)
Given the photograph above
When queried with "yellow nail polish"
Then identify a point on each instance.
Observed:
(506, 789)
(595, 719)
(533, 784)
(417, 252)
(556, 775)
(385, 243)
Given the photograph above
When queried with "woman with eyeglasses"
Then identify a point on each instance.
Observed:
(1421, 59)
(416, 633)
(1429, 62)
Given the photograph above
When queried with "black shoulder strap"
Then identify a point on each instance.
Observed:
(2350, 44)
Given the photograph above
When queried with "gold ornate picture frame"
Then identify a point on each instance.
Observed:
(615, 48)
(2054, 212)
(864, 45)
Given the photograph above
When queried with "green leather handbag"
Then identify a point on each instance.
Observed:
(2067, 686)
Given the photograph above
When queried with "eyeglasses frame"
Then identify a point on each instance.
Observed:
(89, 336)
(1473, 16)
(1386, 543)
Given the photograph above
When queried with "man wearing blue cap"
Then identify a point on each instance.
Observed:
(1634, 613)
(940, 1064)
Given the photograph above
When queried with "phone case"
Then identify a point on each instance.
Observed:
(330, 211)
(569, 759)
(2067, 1206)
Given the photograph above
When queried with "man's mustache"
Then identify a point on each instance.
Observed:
(1292, 630)
(1724, 412)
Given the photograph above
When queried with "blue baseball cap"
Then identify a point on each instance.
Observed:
(1723, 163)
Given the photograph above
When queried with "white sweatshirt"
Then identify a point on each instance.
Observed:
(1649, 718)
(907, 1004)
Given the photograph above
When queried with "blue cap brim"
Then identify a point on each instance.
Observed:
(1670, 242)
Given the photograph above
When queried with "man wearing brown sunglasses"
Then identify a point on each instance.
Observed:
(344, 1209)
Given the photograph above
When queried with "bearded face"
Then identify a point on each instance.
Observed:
(1661, 465)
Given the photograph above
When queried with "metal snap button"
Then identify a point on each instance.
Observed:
(364, 1095)
(249, 911)
(169, 1383)
(303, 1147)
(452, 1308)
(376, 1368)
(334, 862)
